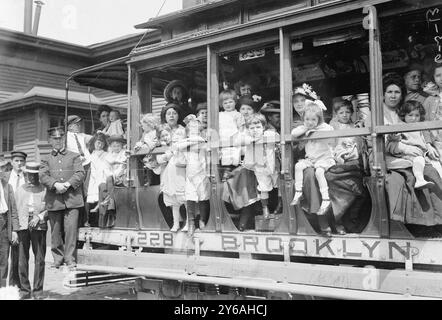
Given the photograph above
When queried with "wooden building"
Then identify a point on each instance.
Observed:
(33, 73)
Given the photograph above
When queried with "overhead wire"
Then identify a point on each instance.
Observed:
(144, 34)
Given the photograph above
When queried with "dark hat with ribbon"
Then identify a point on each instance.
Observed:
(56, 132)
(32, 167)
(20, 154)
(252, 101)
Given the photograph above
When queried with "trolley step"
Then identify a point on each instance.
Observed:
(79, 279)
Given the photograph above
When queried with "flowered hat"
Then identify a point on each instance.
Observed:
(307, 91)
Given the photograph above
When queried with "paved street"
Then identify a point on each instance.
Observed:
(55, 290)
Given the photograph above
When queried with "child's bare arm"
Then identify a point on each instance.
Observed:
(299, 131)
(165, 157)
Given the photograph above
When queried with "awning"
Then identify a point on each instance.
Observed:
(110, 75)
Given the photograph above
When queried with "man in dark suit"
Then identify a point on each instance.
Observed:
(16, 179)
(62, 174)
(8, 227)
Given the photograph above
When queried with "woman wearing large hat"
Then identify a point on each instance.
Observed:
(177, 92)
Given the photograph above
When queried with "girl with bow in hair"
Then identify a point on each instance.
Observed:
(318, 154)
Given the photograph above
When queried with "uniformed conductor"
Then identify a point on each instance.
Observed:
(62, 174)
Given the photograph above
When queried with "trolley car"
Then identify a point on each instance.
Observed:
(336, 47)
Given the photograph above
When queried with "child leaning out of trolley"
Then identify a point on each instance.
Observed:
(149, 123)
(318, 154)
(229, 120)
(197, 187)
(411, 112)
(172, 174)
(260, 157)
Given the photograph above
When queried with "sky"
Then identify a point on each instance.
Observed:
(86, 22)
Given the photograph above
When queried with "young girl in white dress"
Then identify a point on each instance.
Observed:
(149, 123)
(411, 112)
(229, 119)
(100, 170)
(172, 175)
(318, 154)
(197, 188)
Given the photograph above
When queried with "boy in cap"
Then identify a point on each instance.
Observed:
(16, 179)
(62, 173)
(32, 216)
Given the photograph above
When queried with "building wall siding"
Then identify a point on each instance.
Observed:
(26, 127)
(25, 136)
(14, 79)
(157, 105)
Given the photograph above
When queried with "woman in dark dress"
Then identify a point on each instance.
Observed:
(419, 209)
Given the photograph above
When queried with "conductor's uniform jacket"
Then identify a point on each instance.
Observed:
(62, 166)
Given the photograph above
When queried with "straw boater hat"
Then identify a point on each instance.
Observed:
(116, 137)
(73, 119)
(32, 167)
(175, 83)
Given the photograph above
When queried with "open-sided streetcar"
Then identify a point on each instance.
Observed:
(340, 48)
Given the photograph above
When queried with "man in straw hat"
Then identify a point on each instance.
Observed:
(77, 141)
(8, 227)
(32, 217)
(62, 174)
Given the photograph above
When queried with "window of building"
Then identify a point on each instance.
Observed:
(7, 135)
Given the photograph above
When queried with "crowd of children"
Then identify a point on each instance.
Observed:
(249, 138)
